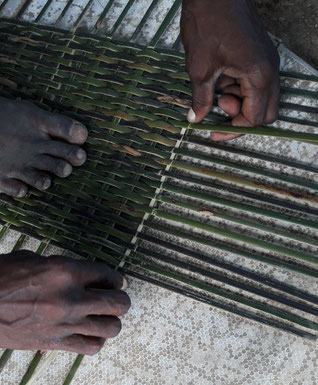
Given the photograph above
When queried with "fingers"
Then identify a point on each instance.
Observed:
(33, 178)
(63, 127)
(74, 155)
(260, 94)
(105, 302)
(224, 81)
(202, 100)
(90, 274)
(99, 275)
(80, 344)
(254, 107)
(273, 104)
(250, 103)
(221, 136)
(231, 105)
(13, 187)
(97, 326)
(56, 166)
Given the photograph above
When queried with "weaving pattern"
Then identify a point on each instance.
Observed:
(142, 183)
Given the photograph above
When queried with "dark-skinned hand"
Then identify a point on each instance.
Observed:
(58, 303)
(227, 48)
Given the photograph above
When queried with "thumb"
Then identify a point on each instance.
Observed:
(202, 100)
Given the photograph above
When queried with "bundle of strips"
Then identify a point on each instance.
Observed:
(150, 200)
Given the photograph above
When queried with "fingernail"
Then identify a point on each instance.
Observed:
(80, 155)
(125, 284)
(191, 116)
(22, 192)
(67, 170)
(78, 126)
(79, 131)
(46, 184)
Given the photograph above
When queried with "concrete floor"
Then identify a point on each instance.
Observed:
(295, 22)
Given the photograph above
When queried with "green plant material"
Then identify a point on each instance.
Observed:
(5, 357)
(73, 370)
(252, 224)
(144, 19)
(133, 100)
(233, 250)
(167, 20)
(297, 209)
(242, 167)
(221, 305)
(239, 206)
(34, 363)
(299, 76)
(242, 181)
(302, 256)
(259, 131)
(217, 277)
(214, 260)
(206, 143)
(233, 297)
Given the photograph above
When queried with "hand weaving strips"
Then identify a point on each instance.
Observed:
(139, 190)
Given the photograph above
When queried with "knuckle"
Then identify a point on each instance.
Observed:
(49, 343)
(263, 75)
(61, 268)
(268, 74)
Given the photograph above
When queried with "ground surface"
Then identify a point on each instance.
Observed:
(296, 23)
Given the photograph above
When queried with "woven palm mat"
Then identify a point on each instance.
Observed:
(150, 200)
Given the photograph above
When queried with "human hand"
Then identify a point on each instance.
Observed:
(225, 37)
(58, 303)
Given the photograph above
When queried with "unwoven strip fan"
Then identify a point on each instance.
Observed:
(142, 201)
